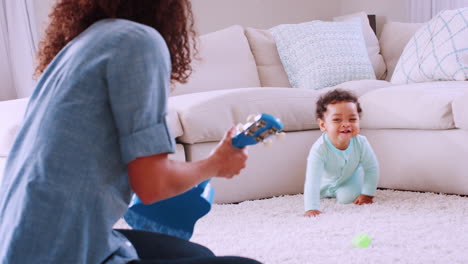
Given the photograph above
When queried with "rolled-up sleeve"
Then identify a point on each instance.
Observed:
(138, 85)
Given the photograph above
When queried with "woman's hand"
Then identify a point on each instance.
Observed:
(156, 177)
(363, 199)
(227, 159)
(312, 213)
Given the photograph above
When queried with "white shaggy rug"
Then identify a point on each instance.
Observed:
(405, 227)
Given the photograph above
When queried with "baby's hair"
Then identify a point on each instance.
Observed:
(333, 97)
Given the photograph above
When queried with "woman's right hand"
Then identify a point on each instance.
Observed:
(227, 159)
(312, 213)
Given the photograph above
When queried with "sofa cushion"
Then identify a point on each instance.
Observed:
(269, 66)
(394, 37)
(437, 52)
(372, 43)
(12, 113)
(207, 116)
(460, 110)
(320, 54)
(172, 118)
(225, 62)
(411, 106)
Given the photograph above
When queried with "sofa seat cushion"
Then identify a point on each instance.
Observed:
(172, 118)
(12, 112)
(411, 106)
(460, 110)
(206, 116)
(359, 87)
(224, 62)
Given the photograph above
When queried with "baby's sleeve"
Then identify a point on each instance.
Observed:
(313, 178)
(371, 168)
(138, 76)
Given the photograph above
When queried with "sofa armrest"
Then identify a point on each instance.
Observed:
(460, 110)
(11, 117)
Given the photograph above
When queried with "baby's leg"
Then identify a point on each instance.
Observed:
(350, 189)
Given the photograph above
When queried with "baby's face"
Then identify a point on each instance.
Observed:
(341, 123)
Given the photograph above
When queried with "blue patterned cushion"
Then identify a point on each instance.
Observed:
(437, 52)
(321, 54)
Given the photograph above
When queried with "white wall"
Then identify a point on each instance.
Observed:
(42, 9)
(6, 80)
(17, 48)
(212, 15)
(385, 10)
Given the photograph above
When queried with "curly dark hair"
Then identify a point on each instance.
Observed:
(173, 19)
(333, 97)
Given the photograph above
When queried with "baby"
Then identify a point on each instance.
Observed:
(341, 162)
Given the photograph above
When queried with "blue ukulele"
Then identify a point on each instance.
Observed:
(177, 215)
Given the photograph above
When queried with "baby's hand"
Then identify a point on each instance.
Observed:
(312, 213)
(363, 199)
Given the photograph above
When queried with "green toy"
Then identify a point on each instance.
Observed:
(362, 240)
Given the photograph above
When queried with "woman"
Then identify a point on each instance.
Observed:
(95, 130)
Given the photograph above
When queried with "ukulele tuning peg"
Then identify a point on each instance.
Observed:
(280, 135)
(250, 118)
(267, 142)
(240, 127)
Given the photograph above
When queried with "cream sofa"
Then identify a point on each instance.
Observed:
(418, 131)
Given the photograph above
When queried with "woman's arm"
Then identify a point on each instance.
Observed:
(156, 177)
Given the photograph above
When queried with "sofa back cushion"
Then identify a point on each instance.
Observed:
(225, 62)
(269, 66)
(394, 37)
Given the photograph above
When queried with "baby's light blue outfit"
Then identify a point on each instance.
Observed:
(100, 104)
(344, 174)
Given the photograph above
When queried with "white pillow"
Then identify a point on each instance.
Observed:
(438, 51)
(372, 43)
(321, 54)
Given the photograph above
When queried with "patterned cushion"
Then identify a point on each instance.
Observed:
(437, 52)
(321, 54)
(372, 43)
